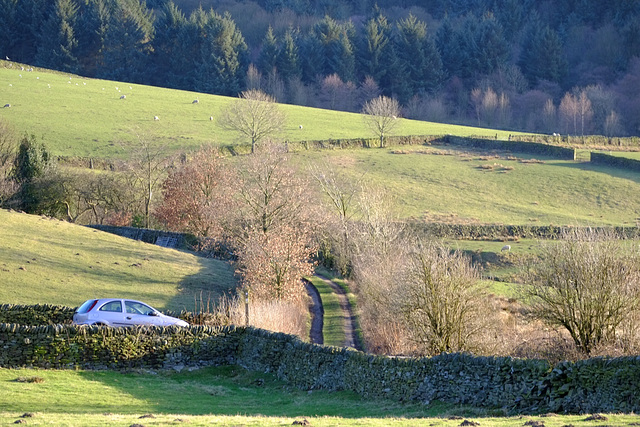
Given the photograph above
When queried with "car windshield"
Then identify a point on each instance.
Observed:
(134, 307)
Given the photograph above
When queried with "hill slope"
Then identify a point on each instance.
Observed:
(86, 117)
(47, 261)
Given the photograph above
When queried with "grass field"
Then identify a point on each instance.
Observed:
(85, 117)
(46, 261)
(449, 185)
(225, 396)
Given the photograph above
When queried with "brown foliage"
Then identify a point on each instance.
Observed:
(194, 195)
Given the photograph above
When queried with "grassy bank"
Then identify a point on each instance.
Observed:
(46, 261)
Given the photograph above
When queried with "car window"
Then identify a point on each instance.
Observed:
(137, 308)
(112, 306)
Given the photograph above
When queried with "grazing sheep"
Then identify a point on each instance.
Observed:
(211, 118)
(156, 118)
(123, 97)
(300, 126)
(7, 105)
(505, 248)
(195, 101)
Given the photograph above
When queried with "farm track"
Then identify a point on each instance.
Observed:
(348, 316)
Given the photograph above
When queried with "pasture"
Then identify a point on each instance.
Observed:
(447, 184)
(82, 117)
(227, 396)
(46, 261)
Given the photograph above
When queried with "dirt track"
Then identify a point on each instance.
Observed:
(317, 313)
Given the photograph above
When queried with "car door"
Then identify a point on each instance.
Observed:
(138, 313)
(111, 313)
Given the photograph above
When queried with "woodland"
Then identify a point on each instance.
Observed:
(566, 66)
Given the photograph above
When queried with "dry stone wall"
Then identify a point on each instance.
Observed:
(515, 385)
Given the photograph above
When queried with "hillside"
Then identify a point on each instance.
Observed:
(85, 117)
(453, 185)
(46, 261)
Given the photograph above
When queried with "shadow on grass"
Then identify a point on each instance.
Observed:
(231, 390)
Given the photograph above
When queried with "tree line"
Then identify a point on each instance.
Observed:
(502, 63)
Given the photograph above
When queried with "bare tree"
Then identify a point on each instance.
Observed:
(443, 299)
(587, 283)
(255, 115)
(272, 224)
(569, 112)
(381, 116)
(146, 169)
(584, 110)
(342, 196)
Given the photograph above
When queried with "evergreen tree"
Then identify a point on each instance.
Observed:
(374, 51)
(491, 48)
(223, 57)
(269, 53)
(93, 20)
(313, 58)
(57, 49)
(29, 18)
(542, 57)
(166, 45)
(32, 164)
(288, 63)
(127, 42)
(8, 29)
(418, 56)
(337, 48)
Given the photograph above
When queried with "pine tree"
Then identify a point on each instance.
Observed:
(491, 48)
(268, 58)
(313, 58)
(57, 49)
(92, 23)
(127, 42)
(8, 29)
(288, 63)
(418, 56)
(166, 45)
(375, 48)
(223, 59)
(542, 57)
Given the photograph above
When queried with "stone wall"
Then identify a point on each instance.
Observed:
(514, 385)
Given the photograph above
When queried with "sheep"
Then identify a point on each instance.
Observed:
(156, 118)
(210, 117)
(195, 101)
(505, 248)
(123, 97)
(300, 126)
(7, 105)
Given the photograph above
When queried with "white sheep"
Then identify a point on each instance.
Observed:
(7, 105)
(300, 126)
(156, 118)
(123, 97)
(195, 101)
(506, 248)
(210, 117)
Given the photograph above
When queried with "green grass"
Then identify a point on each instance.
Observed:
(46, 261)
(85, 117)
(227, 396)
(333, 318)
(457, 188)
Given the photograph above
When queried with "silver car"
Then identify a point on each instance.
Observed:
(121, 312)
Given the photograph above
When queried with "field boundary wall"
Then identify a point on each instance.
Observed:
(514, 385)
